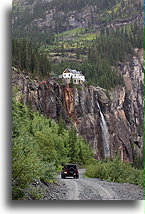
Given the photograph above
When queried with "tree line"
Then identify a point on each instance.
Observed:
(112, 47)
(40, 147)
(104, 53)
(27, 21)
(26, 56)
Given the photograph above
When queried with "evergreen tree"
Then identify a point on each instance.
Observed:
(39, 145)
(71, 84)
(73, 146)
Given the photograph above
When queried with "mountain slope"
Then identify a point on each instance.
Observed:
(95, 111)
(90, 36)
(111, 60)
(59, 16)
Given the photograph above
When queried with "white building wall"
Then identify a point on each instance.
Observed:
(82, 78)
(67, 75)
(75, 77)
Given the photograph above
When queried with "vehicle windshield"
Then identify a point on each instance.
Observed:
(69, 166)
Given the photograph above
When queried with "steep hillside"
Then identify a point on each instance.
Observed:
(90, 36)
(105, 42)
(110, 121)
(49, 17)
(99, 121)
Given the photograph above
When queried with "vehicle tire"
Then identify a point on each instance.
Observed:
(62, 176)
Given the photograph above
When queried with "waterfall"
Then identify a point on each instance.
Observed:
(105, 134)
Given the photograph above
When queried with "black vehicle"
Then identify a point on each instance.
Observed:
(69, 170)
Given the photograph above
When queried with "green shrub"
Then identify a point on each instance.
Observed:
(36, 192)
(40, 146)
(17, 193)
(50, 174)
(115, 171)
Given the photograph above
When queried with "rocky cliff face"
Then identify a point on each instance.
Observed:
(61, 20)
(88, 17)
(109, 121)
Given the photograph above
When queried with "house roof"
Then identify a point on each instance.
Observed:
(73, 71)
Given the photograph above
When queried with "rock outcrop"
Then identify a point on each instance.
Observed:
(87, 107)
(60, 20)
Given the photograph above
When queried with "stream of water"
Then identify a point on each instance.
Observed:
(105, 134)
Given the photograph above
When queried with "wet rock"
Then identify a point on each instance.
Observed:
(122, 109)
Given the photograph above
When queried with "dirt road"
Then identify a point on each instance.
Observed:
(96, 189)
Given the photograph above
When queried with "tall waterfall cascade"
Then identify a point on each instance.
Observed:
(105, 134)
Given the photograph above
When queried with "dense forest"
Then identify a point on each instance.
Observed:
(35, 39)
(41, 47)
(103, 54)
(41, 147)
(28, 57)
(68, 5)
(27, 19)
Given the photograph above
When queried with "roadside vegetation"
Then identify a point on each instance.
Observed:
(40, 147)
(114, 170)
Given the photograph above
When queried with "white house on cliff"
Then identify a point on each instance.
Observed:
(76, 76)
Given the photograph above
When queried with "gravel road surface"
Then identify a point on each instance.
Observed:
(85, 189)
(96, 189)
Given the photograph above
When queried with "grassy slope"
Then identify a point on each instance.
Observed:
(80, 37)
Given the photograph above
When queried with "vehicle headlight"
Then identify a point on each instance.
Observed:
(65, 172)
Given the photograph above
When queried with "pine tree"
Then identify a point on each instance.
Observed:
(71, 84)
(73, 146)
